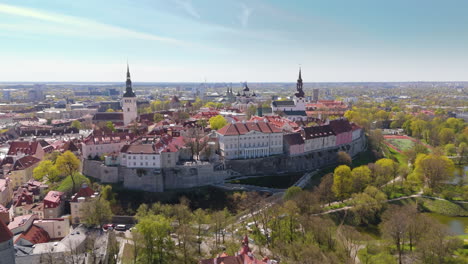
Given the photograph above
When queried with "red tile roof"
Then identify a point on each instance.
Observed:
(340, 126)
(53, 199)
(26, 147)
(241, 128)
(35, 235)
(84, 191)
(317, 131)
(22, 196)
(5, 233)
(98, 137)
(25, 162)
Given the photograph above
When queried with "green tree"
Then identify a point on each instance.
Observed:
(342, 182)
(434, 169)
(98, 212)
(76, 124)
(292, 192)
(157, 117)
(361, 177)
(68, 164)
(157, 246)
(110, 126)
(446, 135)
(217, 122)
(46, 169)
(368, 204)
(385, 169)
(344, 158)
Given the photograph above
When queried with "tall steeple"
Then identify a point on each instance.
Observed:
(128, 90)
(300, 92)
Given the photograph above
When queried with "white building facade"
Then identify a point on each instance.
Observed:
(247, 140)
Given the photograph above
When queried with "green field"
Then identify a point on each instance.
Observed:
(401, 144)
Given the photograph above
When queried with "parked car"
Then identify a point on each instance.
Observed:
(120, 228)
(107, 227)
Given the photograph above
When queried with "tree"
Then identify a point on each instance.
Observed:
(68, 164)
(394, 226)
(251, 111)
(98, 212)
(76, 124)
(46, 169)
(376, 140)
(157, 117)
(368, 204)
(344, 158)
(292, 192)
(446, 135)
(361, 177)
(156, 242)
(342, 182)
(385, 169)
(217, 122)
(110, 126)
(200, 218)
(324, 190)
(434, 169)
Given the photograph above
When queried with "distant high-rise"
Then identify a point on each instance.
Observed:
(129, 102)
(315, 94)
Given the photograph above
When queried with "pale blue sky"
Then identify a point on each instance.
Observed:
(232, 41)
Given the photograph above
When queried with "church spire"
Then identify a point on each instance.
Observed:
(128, 89)
(300, 92)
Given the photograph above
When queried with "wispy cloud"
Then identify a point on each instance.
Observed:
(188, 7)
(91, 27)
(245, 15)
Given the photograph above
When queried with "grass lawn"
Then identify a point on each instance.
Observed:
(402, 144)
(396, 155)
(280, 182)
(66, 184)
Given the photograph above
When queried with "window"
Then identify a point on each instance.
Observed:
(59, 233)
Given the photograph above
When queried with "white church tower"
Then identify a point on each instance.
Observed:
(129, 102)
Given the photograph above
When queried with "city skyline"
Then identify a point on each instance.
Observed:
(231, 41)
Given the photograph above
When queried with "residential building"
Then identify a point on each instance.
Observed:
(4, 214)
(343, 131)
(19, 224)
(22, 170)
(152, 152)
(56, 228)
(6, 191)
(101, 142)
(318, 137)
(33, 235)
(293, 144)
(246, 140)
(7, 250)
(53, 204)
(77, 203)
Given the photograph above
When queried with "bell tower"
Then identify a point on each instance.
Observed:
(129, 101)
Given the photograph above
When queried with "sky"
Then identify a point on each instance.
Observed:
(233, 40)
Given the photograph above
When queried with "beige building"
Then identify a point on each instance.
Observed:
(6, 191)
(77, 203)
(56, 228)
(22, 170)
